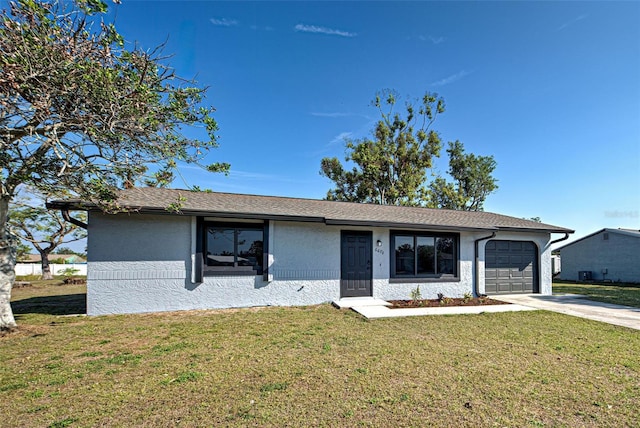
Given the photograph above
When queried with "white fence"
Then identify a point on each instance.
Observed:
(36, 268)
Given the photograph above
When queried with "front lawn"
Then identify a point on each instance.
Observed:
(619, 294)
(313, 366)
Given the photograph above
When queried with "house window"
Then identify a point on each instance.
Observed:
(233, 248)
(424, 255)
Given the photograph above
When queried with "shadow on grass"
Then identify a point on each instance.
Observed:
(70, 304)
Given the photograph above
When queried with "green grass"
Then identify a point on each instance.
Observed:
(620, 294)
(314, 366)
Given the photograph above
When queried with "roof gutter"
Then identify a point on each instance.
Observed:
(566, 236)
(476, 280)
(75, 221)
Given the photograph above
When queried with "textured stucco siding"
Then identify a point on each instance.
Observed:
(143, 263)
(620, 255)
(137, 263)
(389, 290)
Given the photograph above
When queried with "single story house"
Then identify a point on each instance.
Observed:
(605, 255)
(225, 250)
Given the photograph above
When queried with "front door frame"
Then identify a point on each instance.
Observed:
(368, 291)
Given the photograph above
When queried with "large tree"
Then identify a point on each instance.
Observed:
(22, 251)
(472, 181)
(391, 167)
(46, 230)
(81, 111)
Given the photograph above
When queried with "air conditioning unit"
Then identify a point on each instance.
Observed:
(585, 275)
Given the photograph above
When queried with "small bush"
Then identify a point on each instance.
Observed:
(69, 272)
(416, 294)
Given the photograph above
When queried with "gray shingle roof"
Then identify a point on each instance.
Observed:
(621, 231)
(231, 205)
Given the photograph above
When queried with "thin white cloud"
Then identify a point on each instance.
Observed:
(569, 23)
(432, 39)
(452, 78)
(224, 22)
(333, 114)
(328, 147)
(322, 30)
(248, 175)
(340, 137)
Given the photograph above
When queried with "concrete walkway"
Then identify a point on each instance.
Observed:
(577, 305)
(372, 308)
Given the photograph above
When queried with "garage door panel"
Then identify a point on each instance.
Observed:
(515, 246)
(516, 274)
(503, 273)
(515, 260)
(502, 260)
(510, 267)
(504, 287)
(502, 245)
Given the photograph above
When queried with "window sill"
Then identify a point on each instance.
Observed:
(231, 272)
(413, 280)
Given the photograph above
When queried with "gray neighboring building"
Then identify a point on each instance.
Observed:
(608, 254)
(227, 250)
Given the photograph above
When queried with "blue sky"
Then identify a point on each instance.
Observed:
(550, 89)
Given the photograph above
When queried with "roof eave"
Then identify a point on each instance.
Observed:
(419, 226)
(74, 204)
(535, 229)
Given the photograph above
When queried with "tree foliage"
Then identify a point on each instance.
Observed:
(68, 251)
(22, 251)
(394, 166)
(472, 181)
(46, 230)
(389, 168)
(80, 112)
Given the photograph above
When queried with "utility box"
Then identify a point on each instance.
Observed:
(555, 264)
(585, 275)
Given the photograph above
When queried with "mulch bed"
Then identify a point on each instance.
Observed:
(76, 281)
(439, 303)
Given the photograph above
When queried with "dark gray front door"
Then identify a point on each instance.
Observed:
(355, 279)
(510, 267)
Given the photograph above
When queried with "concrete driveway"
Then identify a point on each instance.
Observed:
(577, 305)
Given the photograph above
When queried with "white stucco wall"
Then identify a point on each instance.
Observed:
(143, 263)
(137, 263)
(619, 255)
(384, 288)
